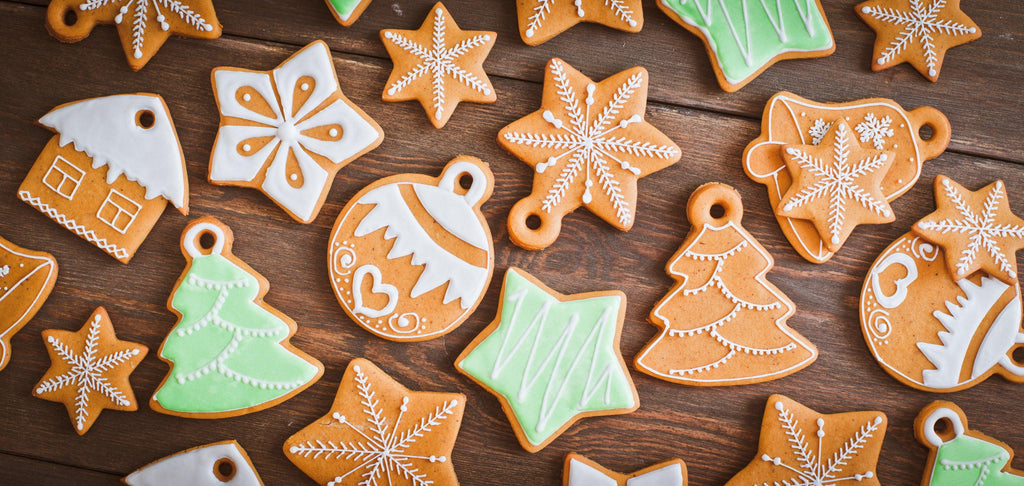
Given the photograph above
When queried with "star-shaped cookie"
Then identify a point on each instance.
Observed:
(802, 447)
(588, 145)
(580, 471)
(551, 359)
(144, 25)
(89, 370)
(439, 65)
(378, 432)
(977, 230)
(836, 184)
(916, 31)
(540, 20)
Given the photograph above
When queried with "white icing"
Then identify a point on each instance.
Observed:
(377, 286)
(583, 474)
(196, 467)
(542, 8)
(1002, 336)
(141, 13)
(15, 321)
(920, 25)
(188, 242)
(670, 475)
(939, 414)
(902, 283)
(106, 130)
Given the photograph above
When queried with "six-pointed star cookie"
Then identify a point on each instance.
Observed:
(976, 230)
(552, 359)
(580, 471)
(588, 145)
(439, 65)
(540, 20)
(802, 447)
(916, 31)
(836, 184)
(144, 25)
(380, 433)
(89, 370)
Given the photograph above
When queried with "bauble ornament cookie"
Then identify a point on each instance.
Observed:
(959, 455)
(26, 279)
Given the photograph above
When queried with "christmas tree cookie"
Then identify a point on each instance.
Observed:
(552, 359)
(541, 20)
(89, 370)
(288, 131)
(743, 38)
(587, 145)
(346, 12)
(144, 25)
(26, 279)
(958, 455)
(378, 433)
(801, 446)
(580, 471)
(410, 256)
(723, 323)
(229, 351)
(218, 464)
(439, 65)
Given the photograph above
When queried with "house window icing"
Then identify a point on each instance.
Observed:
(63, 177)
(118, 211)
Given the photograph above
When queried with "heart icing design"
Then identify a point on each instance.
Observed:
(902, 283)
(378, 287)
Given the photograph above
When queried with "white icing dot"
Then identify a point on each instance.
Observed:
(931, 71)
(137, 53)
(392, 90)
(246, 148)
(835, 240)
(866, 10)
(880, 61)
(247, 97)
(293, 449)
(487, 37)
(438, 11)
(632, 23)
(304, 87)
(972, 30)
(333, 132)
(294, 177)
(529, 32)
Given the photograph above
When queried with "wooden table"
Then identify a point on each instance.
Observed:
(714, 430)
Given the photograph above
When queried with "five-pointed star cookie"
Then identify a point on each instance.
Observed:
(540, 20)
(580, 471)
(144, 25)
(977, 230)
(802, 447)
(836, 184)
(916, 31)
(380, 433)
(552, 359)
(588, 145)
(89, 370)
(439, 65)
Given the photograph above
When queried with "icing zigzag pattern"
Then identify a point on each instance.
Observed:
(89, 235)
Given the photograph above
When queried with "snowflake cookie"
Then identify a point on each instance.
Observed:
(288, 131)
(958, 455)
(229, 351)
(89, 370)
(916, 31)
(346, 12)
(144, 25)
(26, 279)
(799, 446)
(540, 343)
(222, 463)
(440, 65)
(588, 145)
(378, 433)
(541, 20)
(580, 471)
(717, 329)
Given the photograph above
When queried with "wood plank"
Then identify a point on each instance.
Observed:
(714, 430)
(24, 470)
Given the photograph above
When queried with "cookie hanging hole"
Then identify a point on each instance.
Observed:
(717, 211)
(70, 17)
(533, 222)
(926, 132)
(466, 181)
(944, 429)
(145, 119)
(1018, 356)
(207, 240)
(224, 469)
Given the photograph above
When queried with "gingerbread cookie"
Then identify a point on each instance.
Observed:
(958, 455)
(540, 343)
(222, 463)
(288, 131)
(587, 145)
(26, 279)
(410, 256)
(918, 32)
(580, 471)
(144, 25)
(541, 20)
(110, 170)
(745, 38)
(716, 329)
(878, 123)
(801, 446)
(229, 351)
(89, 370)
(378, 432)
(346, 12)
(439, 65)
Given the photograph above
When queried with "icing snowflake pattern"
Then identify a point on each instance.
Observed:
(139, 12)
(88, 372)
(382, 452)
(875, 130)
(918, 25)
(543, 8)
(818, 131)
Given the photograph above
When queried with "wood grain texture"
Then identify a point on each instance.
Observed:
(714, 430)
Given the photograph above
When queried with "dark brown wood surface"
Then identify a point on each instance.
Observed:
(714, 430)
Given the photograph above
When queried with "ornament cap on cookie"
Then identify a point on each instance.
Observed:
(26, 279)
(959, 455)
(222, 463)
(541, 20)
(581, 471)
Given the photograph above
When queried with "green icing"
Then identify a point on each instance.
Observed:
(552, 360)
(343, 7)
(972, 461)
(221, 321)
(747, 34)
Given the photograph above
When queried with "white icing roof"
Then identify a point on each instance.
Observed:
(106, 130)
